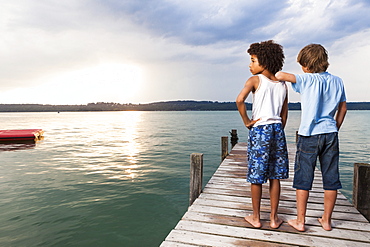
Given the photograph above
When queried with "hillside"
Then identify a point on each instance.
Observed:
(181, 105)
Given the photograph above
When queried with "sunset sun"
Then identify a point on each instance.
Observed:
(107, 82)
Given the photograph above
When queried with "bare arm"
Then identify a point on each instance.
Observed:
(341, 113)
(250, 86)
(284, 112)
(283, 76)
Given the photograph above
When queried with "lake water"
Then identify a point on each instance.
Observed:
(122, 178)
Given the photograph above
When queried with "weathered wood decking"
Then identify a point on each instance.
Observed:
(216, 217)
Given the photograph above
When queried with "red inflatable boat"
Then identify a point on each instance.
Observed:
(21, 135)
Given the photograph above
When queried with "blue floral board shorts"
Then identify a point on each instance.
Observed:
(267, 154)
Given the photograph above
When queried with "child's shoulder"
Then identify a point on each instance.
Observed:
(253, 82)
(310, 79)
(254, 79)
(323, 76)
(311, 76)
(334, 76)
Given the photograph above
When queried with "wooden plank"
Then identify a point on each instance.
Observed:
(265, 216)
(268, 236)
(266, 202)
(241, 183)
(315, 197)
(313, 230)
(169, 243)
(185, 238)
(284, 210)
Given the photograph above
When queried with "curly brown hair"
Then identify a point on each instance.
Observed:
(270, 55)
(314, 57)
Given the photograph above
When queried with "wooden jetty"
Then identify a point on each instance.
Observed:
(216, 218)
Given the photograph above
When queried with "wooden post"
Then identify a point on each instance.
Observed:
(361, 189)
(234, 137)
(196, 176)
(224, 147)
(296, 137)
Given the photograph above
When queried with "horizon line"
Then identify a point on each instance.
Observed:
(164, 101)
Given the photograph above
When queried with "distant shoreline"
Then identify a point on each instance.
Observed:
(180, 105)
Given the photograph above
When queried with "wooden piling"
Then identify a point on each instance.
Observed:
(196, 176)
(361, 188)
(234, 137)
(224, 147)
(296, 136)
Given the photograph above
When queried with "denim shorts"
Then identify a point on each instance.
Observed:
(267, 154)
(324, 146)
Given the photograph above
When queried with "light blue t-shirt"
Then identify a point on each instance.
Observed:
(320, 95)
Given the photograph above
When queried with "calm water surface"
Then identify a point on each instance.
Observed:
(121, 178)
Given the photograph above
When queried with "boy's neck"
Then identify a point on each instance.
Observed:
(307, 70)
(269, 75)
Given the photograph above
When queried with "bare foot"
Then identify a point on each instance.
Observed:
(253, 222)
(276, 223)
(325, 225)
(298, 226)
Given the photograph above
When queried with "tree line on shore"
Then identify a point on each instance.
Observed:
(181, 105)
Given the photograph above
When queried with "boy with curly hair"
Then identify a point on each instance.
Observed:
(267, 150)
(323, 96)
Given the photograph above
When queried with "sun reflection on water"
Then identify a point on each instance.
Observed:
(112, 153)
(132, 147)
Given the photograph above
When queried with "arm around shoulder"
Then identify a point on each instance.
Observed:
(284, 76)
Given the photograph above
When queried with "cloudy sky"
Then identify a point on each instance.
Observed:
(140, 51)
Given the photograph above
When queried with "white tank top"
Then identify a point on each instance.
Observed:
(268, 101)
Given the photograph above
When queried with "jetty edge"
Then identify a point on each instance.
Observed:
(216, 217)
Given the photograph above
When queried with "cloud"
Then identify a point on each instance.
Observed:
(185, 49)
(316, 21)
(199, 22)
(349, 59)
(48, 37)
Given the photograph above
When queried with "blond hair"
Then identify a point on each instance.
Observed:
(314, 57)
